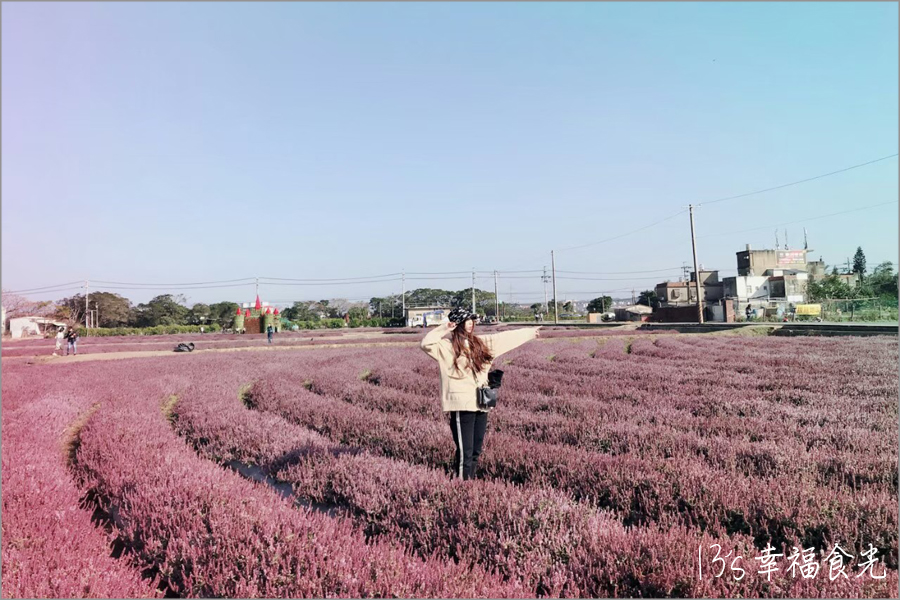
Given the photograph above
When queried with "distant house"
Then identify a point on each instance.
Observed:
(426, 315)
(635, 312)
(20, 327)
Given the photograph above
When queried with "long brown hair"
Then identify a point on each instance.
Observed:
(477, 351)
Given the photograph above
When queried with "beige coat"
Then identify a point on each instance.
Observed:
(458, 385)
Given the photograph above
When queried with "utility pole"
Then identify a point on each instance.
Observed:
(496, 299)
(257, 287)
(633, 301)
(555, 302)
(473, 291)
(545, 279)
(403, 293)
(87, 311)
(697, 272)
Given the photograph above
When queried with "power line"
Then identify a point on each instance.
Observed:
(174, 284)
(619, 272)
(778, 187)
(334, 279)
(46, 288)
(328, 283)
(172, 287)
(624, 234)
(844, 212)
(606, 278)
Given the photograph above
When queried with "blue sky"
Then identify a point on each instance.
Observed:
(170, 142)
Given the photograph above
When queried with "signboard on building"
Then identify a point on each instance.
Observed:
(791, 259)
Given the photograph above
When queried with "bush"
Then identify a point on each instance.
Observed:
(158, 330)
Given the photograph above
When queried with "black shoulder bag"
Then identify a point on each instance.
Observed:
(487, 395)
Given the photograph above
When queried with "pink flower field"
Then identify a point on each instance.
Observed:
(638, 465)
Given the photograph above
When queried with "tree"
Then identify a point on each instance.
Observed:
(387, 306)
(882, 283)
(162, 310)
(859, 263)
(301, 311)
(358, 313)
(223, 313)
(199, 314)
(113, 310)
(600, 305)
(829, 287)
(537, 308)
(568, 307)
(19, 306)
(331, 311)
(430, 297)
(649, 298)
(484, 301)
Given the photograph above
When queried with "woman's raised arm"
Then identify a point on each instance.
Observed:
(432, 342)
(501, 343)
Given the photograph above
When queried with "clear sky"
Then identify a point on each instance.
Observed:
(170, 142)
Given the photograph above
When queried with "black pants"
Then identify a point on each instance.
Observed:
(468, 429)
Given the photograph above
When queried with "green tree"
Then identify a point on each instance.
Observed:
(882, 283)
(600, 305)
(387, 306)
(568, 307)
(484, 301)
(331, 311)
(199, 314)
(113, 310)
(223, 313)
(829, 287)
(649, 298)
(302, 311)
(358, 313)
(165, 309)
(430, 297)
(859, 263)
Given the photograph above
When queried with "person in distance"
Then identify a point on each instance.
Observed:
(464, 361)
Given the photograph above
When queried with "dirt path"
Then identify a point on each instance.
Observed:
(57, 360)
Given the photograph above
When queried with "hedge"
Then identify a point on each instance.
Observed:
(158, 330)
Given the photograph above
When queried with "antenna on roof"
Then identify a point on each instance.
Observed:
(776, 239)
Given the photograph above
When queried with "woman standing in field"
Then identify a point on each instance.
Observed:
(464, 362)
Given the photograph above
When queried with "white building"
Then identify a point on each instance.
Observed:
(754, 289)
(31, 326)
